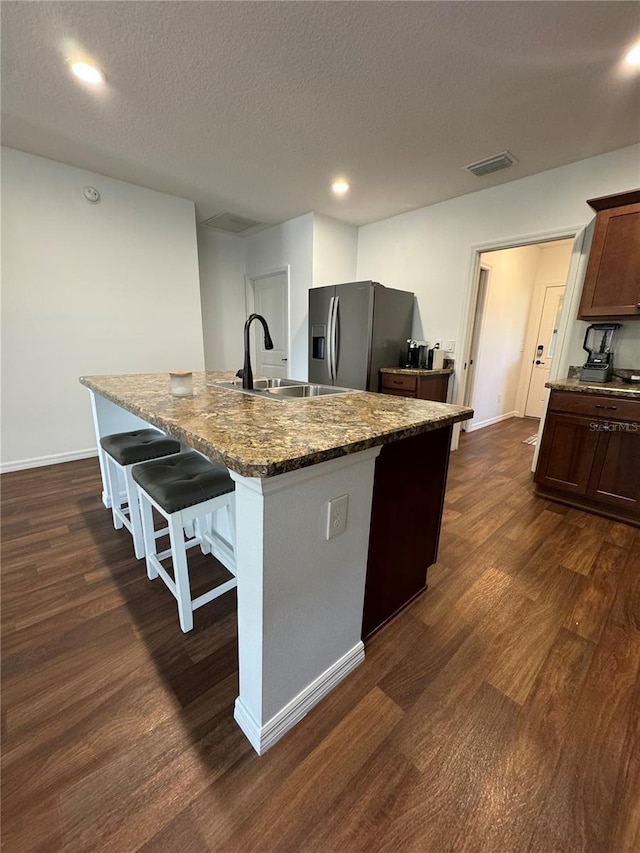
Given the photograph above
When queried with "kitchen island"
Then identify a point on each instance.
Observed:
(300, 594)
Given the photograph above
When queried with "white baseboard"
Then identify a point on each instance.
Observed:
(41, 461)
(262, 738)
(495, 420)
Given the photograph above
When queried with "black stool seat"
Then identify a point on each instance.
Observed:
(181, 481)
(140, 445)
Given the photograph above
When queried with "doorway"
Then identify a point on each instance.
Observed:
(518, 303)
(268, 295)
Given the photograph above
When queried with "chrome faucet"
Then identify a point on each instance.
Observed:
(247, 374)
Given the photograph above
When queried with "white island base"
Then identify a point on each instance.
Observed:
(300, 596)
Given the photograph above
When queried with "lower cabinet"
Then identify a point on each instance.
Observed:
(590, 458)
(424, 386)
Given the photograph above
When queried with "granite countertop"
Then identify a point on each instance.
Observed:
(262, 438)
(615, 388)
(417, 371)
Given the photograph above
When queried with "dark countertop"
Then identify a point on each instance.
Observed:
(417, 371)
(262, 438)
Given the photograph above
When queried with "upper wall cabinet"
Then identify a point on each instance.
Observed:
(612, 282)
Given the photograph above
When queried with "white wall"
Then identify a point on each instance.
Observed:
(512, 274)
(430, 250)
(222, 262)
(335, 251)
(290, 243)
(87, 289)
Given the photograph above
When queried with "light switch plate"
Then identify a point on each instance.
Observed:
(337, 516)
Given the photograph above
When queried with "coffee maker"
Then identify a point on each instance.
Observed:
(598, 343)
(413, 354)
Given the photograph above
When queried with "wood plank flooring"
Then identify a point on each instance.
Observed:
(499, 713)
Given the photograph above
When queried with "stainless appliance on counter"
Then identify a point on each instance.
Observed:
(355, 329)
(598, 343)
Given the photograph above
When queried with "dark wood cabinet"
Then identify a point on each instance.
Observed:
(615, 478)
(612, 281)
(406, 514)
(418, 386)
(566, 454)
(590, 454)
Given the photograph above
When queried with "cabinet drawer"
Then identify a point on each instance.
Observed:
(392, 392)
(399, 382)
(594, 405)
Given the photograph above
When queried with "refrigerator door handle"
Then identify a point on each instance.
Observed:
(334, 340)
(329, 319)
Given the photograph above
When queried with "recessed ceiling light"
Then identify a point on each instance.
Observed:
(340, 187)
(633, 57)
(88, 73)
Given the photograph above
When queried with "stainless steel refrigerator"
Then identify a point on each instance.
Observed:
(355, 329)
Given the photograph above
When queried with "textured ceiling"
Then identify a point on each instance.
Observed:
(254, 107)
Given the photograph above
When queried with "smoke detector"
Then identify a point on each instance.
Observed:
(230, 222)
(492, 164)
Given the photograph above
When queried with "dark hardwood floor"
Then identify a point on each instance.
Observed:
(499, 713)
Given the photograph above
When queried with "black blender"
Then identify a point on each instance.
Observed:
(598, 342)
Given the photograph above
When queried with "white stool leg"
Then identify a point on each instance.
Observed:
(205, 524)
(231, 516)
(148, 534)
(134, 514)
(114, 488)
(180, 571)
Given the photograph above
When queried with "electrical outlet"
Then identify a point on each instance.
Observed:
(451, 346)
(500, 397)
(337, 516)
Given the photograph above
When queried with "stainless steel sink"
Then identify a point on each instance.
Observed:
(258, 384)
(307, 391)
(283, 389)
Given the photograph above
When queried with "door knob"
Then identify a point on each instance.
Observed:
(539, 362)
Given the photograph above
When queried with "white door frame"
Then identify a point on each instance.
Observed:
(476, 330)
(471, 296)
(250, 303)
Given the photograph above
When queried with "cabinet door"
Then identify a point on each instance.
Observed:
(433, 387)
(615, 479)
(612, 282)
(406, 514)
(567, 453)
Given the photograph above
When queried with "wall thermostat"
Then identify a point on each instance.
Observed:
(91, 194)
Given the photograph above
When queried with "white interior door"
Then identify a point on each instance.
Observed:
(271, 299)
(544, 349)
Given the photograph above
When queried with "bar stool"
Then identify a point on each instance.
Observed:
(186, 489)
(122, 451)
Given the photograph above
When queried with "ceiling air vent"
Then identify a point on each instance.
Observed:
(230, 222)
(492, 164)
